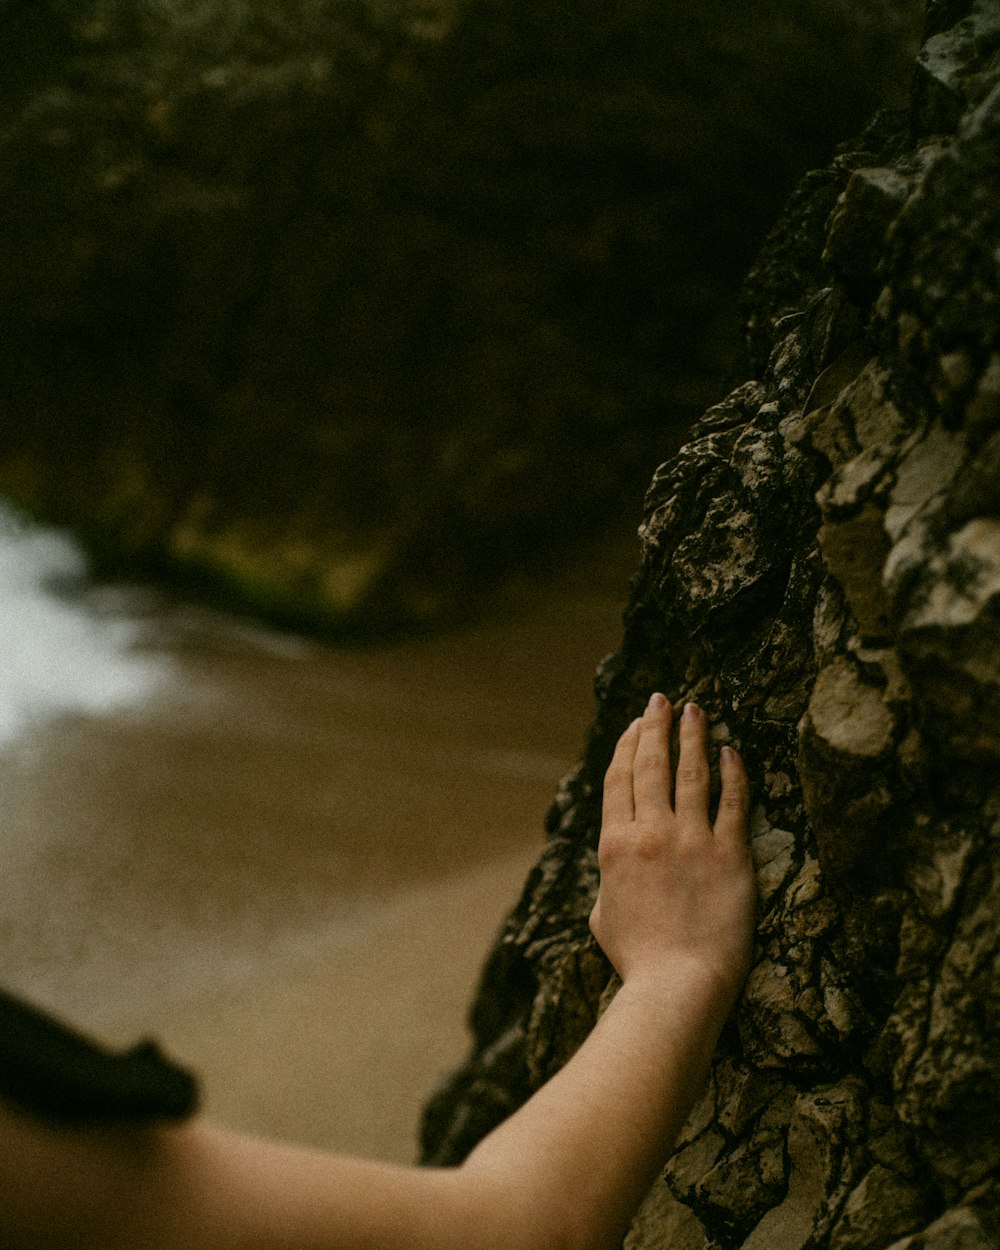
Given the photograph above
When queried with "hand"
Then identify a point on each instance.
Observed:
(673, 888)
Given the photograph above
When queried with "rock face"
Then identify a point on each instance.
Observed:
(309, 298)
(821, 571)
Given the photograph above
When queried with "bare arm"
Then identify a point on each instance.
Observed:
(674, 915)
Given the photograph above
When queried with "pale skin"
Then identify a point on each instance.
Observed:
(675, 917)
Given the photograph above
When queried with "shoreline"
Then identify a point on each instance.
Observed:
(289, 863)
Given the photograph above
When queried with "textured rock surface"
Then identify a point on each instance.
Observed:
(343, 306)
(821, 571)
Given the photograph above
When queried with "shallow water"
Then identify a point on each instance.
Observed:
(55, 657)
(284, 860)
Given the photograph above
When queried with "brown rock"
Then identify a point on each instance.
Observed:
(821, 570)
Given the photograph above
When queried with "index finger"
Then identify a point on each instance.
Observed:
(619, 805)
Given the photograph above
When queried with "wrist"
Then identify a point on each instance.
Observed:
(685, 982)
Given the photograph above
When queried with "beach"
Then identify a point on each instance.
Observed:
(286, 861)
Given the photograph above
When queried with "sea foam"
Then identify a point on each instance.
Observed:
(59, 655)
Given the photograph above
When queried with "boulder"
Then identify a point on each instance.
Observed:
(820, 570)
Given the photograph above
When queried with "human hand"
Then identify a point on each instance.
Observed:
(674, 889)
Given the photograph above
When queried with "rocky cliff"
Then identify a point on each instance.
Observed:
(820, 569)
(344, 308)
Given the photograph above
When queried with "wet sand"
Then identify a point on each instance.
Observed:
(342, 1047)
(288, 866)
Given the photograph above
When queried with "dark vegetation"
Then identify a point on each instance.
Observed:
(352, 309)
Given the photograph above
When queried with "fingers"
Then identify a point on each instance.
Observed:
(639, 785)
(651, 767)
(619, 807)
(734, 802)
(691, 790)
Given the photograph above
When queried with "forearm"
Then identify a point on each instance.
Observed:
(200, 1186)
(565, 1171)
(581, 1154)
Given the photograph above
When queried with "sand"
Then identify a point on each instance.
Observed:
(289, 864)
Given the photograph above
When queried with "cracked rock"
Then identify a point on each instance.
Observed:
(821, 569)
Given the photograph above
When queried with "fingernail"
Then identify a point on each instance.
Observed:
(656, 701)
(691, 711)
(727, 757)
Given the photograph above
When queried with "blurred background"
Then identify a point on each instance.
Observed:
(338, 342)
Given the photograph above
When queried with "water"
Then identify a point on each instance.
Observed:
(284, 860)
(59, 657)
